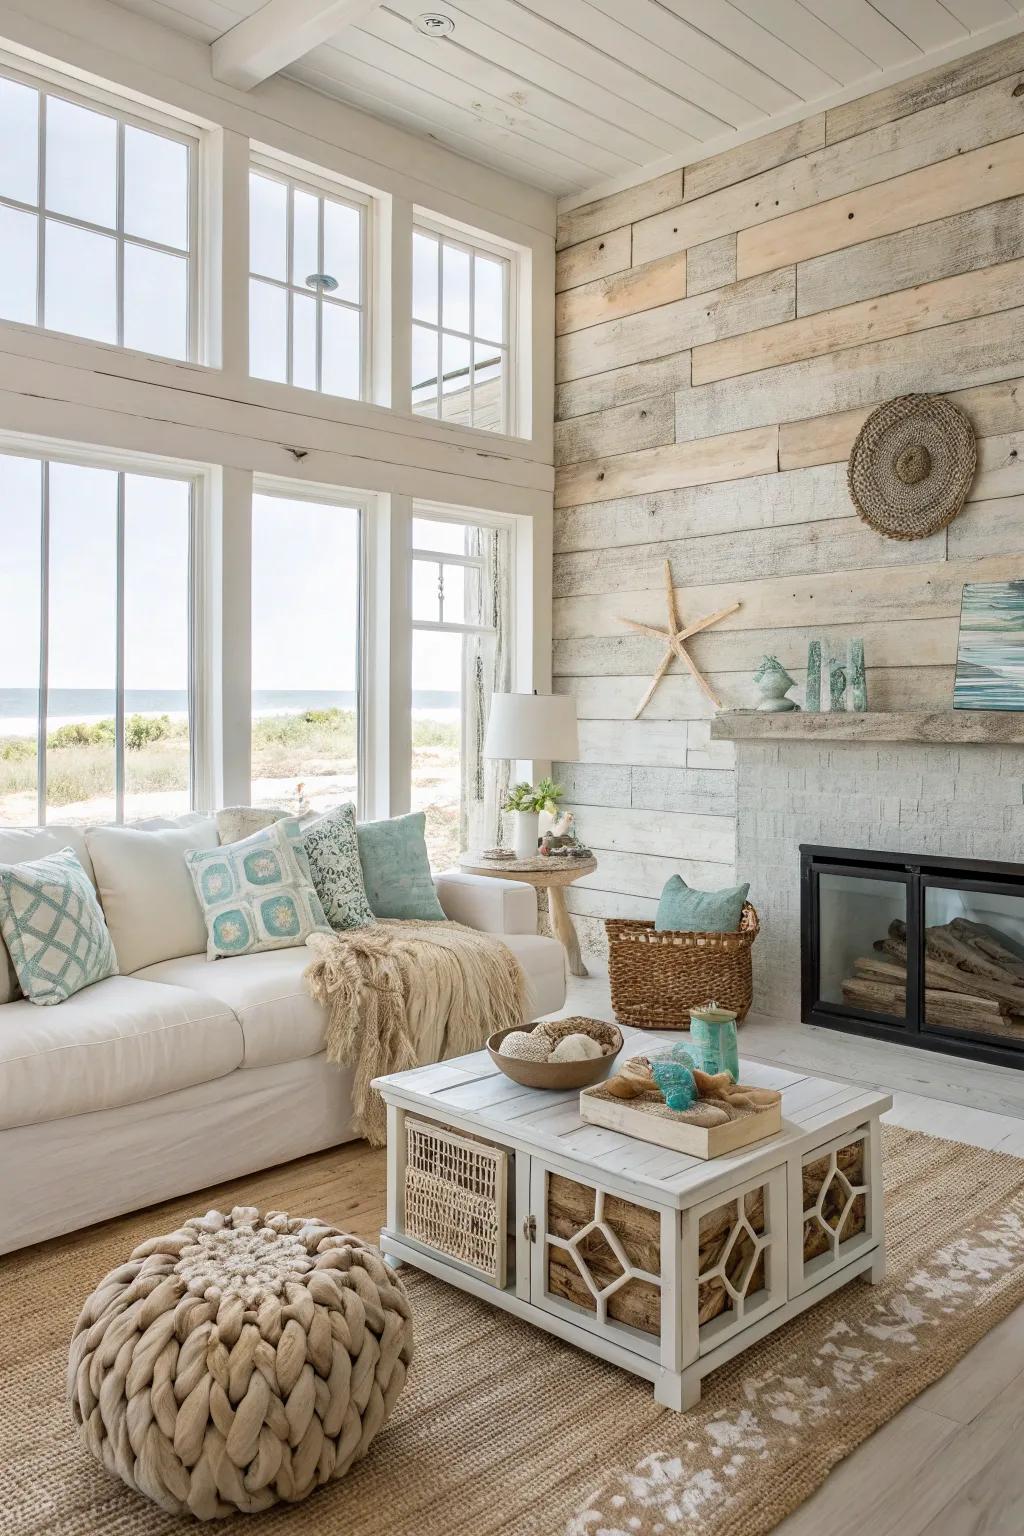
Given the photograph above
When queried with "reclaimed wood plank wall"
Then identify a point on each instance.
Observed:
(723, 331)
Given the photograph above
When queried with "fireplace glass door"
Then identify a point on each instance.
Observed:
(973, 938)
(862, 943)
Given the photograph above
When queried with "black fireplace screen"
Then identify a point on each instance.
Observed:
(929, 951)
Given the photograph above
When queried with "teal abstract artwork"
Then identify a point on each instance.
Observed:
(990, 653)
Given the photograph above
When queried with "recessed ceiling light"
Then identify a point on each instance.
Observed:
(434, 24)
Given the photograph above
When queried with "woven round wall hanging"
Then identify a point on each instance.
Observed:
(912, 466)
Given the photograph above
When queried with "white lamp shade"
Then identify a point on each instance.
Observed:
(532, 725)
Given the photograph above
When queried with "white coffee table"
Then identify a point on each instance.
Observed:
(598, 1238)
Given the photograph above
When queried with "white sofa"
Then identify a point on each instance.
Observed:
(182, 1072)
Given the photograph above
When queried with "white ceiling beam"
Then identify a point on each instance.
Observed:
(278, 34)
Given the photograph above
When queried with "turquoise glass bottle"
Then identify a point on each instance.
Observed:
(713, 1040)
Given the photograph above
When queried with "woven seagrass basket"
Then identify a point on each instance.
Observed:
(656, 978)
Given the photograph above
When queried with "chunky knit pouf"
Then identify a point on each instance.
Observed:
(240, 1360)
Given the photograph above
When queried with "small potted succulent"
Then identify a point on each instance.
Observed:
(526, 801)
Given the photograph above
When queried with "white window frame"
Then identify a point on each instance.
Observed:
(46, 453)
(364, 504)
(321, 186)
(447, 234)
(48, 84)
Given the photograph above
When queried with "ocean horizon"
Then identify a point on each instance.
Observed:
(18, 706)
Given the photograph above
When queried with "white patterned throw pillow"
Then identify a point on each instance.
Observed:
(337, 873)
(257, 894)
(54, 927)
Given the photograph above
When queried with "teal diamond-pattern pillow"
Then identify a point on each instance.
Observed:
(54, 927)
(258, 893)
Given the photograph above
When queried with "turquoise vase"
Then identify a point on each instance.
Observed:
(713, 1040)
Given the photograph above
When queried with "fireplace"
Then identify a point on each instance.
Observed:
(926, 951)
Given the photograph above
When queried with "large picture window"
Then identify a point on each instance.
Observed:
(461, 654)
(94, 588)
(97, 226)
(305, 652)
(460, 333)
(307, 302)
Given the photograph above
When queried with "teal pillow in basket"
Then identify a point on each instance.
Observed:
(396, 868)
(684, 910)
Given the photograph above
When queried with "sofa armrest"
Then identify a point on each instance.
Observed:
(486, 902)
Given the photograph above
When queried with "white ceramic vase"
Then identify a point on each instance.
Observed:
(527, 831)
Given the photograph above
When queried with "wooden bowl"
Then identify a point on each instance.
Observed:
(558, 1075)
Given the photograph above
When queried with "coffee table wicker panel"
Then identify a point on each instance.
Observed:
(456, 1197)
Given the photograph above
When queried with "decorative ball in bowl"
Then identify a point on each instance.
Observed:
(560, 1054)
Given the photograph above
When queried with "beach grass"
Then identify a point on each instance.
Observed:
(80, 755)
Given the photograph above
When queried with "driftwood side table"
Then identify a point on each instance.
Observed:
(552, 874)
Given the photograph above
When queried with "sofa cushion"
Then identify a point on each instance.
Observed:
(333, 853)
(543, 961)
(146, 891)
(17, 846)
(236, 822)
(396, 868)
(280, 1021)
(53, 927)
(118, 1042)
(257, 894)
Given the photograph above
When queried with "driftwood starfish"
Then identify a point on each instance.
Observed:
(673, 638)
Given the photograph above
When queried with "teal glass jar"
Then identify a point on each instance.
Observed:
(713, 1040)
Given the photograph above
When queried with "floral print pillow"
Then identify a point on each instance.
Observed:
(257, 894)
(333, 852)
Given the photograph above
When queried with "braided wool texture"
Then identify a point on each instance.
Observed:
(239, 1361)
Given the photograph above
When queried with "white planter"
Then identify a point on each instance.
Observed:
(526, 827)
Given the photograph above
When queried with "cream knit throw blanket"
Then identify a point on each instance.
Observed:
(399, 994)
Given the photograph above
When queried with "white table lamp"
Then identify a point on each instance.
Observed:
(531, 726)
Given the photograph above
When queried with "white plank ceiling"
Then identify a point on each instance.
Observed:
(578, 95)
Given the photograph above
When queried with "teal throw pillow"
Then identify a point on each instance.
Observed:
(257, 894)
(54, 927)
(396, 868)
(683, 910)
(333, 850)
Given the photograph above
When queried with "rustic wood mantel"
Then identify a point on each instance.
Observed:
(951, 726)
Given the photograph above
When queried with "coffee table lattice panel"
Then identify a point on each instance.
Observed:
(835, 1196)
(603, 1253)
(737, 1248)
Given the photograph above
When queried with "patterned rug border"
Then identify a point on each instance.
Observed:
(751, 1516)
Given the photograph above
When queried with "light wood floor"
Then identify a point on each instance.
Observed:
(950, 1464)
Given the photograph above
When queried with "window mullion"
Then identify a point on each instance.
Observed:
(289, 229)
(44, 642)
(119, 236)
(41, 215)
(440, 327)
(320, 307)
(472, 338)
(119, 664)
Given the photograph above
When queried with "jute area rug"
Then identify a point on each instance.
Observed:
(503, 1431)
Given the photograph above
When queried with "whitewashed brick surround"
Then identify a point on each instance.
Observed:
(961, 802)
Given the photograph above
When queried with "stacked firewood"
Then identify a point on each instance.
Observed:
(971, 979)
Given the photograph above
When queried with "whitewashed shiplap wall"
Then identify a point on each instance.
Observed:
(723, 333)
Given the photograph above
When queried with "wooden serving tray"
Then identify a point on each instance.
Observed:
(649, 1119)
